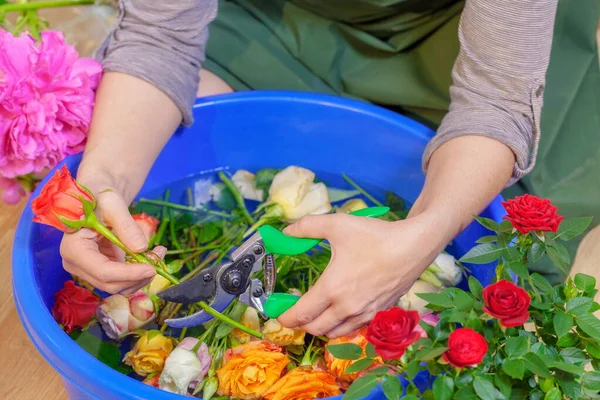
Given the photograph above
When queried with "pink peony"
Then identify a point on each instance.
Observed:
(46, 98)
(12, 190)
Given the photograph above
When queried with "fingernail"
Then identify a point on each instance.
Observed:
(148, 273)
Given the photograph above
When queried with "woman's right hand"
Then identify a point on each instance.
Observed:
(99, 262)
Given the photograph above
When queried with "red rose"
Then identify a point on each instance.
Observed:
(507, 302)
(147, 223)
(466, 348)
(530, 213)
(392, 331)
(74, 306)
(60, 197)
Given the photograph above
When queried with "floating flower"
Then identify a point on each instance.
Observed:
(295, 191)
(249, 370)
(74, 306)
(46, 100)
(274, 332)
(249, 320)
(61, 197)
(411, 300)
(529, 213)
(303, 383)
(120, 314)
(466, 348)
(149, 354)
(507, 302)
(244, 182)
(185, 366)
(147, 223)
(337, 367)
(392, 331)
(352, 205)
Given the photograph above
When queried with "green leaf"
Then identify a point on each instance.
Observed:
(106, 352)
(591, 380)
(443, 387)
(224, 199)
(553, 394)
(570, 228)
(573, 355)
(392, 389)
(487, 239)
(536, 251)
(556, 252)
(475, 287)
(264, 178)
(541, 283)
(562, 323)
(465, 393)
(585, 282)
(463, 301)
(517, 346)
(488, 223)
(565, 366)
(593, 349)
(208, 233)
(359, 365)
(485, 389)
(379, 371)
(345, 351)
(483, 254)
(460, 317)
(535, 364)
(589, 324)
(541, 305)
(429, 354)
(361, 387)
(570, 339)
(519, 268)
(514, 368)
(503, 383)
(427, 328)
(371, 353)
(336, 195)
(412, 369)
(437, 299)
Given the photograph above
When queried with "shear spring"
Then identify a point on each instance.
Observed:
(270, 274)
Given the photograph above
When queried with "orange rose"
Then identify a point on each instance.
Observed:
(60, 197)
(274, 332)
(303, 383)
(338, 367)
(249, 320)
(251, 369)
(147, 223)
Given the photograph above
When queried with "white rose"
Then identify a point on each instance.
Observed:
(410, 301)
(184, 366)
(446, 270)
(244, 182)
(297, 194)
(352, 205)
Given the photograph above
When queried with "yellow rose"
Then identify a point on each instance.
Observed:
(274, 332)
(149, 353)
(336, 366)
(352, 205)
(303, 383)
(158, 284)
(249, 320)
(250, 370)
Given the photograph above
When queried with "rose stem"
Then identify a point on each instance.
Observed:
(367, 195)
(164, 223)
(229, 321)
(237, 196)
(43, 4)
(171, 315)
(185, 208)
(200, 267)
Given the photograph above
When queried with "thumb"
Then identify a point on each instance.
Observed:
(313, 226)
(116, 213)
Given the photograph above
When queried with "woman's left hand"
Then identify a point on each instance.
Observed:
(373, 263)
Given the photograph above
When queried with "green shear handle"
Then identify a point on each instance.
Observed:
(277, 242)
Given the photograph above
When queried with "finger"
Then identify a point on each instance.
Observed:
(160, 251)
(329, 320)
(112, 288)
(307, 309)
(116, 214)
(314, 226)
(348, 326)
(135, 288)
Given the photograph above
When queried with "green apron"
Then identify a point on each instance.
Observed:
(399, 54)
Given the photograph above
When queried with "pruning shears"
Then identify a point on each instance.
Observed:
(221, 284)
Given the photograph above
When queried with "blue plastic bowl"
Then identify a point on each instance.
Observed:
(250, 130)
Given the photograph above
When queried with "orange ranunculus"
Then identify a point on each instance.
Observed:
(147, 223)
(274, 332)
(303, 383)
(149, 354)
(251, 369)
(60, 197)
(338, 367)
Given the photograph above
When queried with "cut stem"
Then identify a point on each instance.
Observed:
(237, 196)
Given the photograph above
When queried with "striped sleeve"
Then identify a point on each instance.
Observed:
(163, 43)
(499, 76)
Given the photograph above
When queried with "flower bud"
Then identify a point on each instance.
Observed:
(210, 388)
(119, 314)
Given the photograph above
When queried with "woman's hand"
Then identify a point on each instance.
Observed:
(373, 263)
(96, 260)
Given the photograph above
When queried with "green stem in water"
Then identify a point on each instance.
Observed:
(43, 4)
(185, 208)
(228, 320)
(237, 196)
(367, 195)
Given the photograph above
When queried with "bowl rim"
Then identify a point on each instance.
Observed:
(57, 348)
